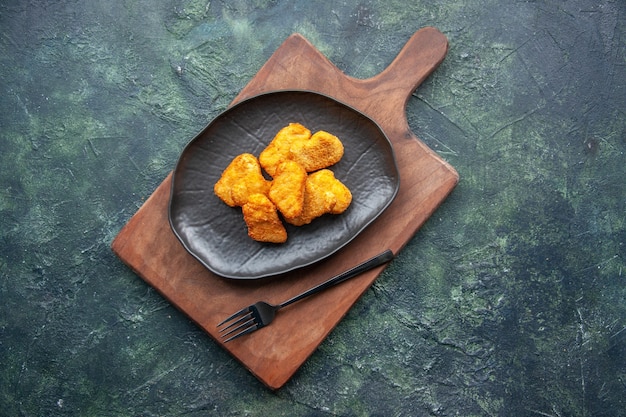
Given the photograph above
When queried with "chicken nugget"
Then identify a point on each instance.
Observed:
(262, 220)
(278, 149)
(323, 194)
(287, 190)
(241, 178)
(320, 151)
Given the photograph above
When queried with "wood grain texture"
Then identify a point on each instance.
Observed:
(148, 246)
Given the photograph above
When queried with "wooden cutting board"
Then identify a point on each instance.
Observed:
(273, 354)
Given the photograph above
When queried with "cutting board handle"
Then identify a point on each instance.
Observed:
(419, 57)
(297, 64)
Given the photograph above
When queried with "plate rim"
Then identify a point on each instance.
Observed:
(231, 107)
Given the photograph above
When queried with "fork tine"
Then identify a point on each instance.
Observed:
(242, 323)
(241, 320)
(239, 313)
(243, 332)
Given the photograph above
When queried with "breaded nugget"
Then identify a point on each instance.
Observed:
(278, 149)
(287, 190)
(320, 151)
(323, 194)
(262, 220)
(302, 188)
(241, 178)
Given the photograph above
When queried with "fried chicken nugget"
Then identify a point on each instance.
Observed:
(262, 220)
(241, 178)
(320, 151)
(287, 190)
(278, 149)
(323, 194)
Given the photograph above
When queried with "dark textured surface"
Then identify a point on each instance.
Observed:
(510, 301)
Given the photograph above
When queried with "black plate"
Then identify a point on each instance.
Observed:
(216, 234)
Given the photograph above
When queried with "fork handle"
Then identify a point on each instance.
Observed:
(377, 260)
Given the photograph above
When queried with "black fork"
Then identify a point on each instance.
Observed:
(260, 314)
